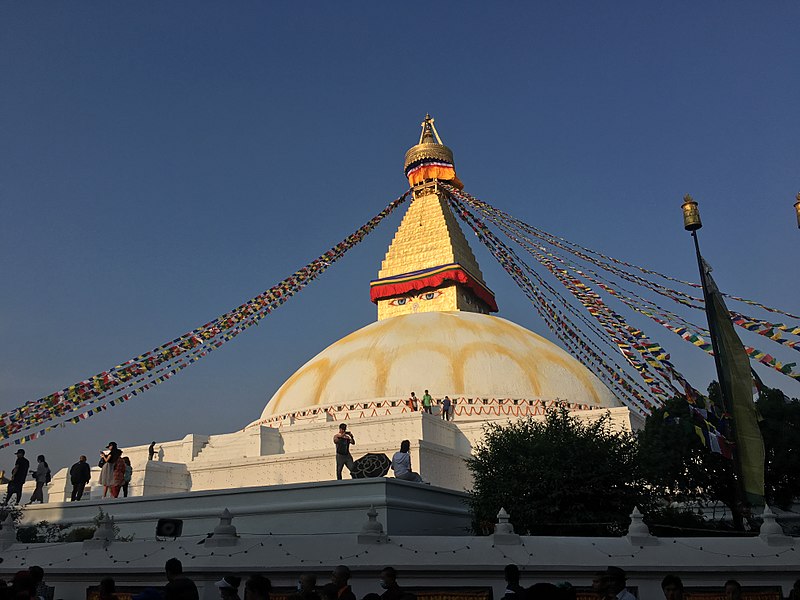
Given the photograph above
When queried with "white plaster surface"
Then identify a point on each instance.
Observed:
(453, 353)
(440, 561)
(308, 509)
(303, 451)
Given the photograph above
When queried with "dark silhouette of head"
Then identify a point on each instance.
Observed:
(173, 568)
(672, 586)
(340, 576)
(511, 573)
(258, 586)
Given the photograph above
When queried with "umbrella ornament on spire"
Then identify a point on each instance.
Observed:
(430, 159)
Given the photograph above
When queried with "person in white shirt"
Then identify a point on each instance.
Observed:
(401, 464)
(615, 584)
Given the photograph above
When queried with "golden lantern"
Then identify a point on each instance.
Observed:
(691, 214)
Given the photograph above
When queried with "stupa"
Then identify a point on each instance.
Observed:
(434, 331)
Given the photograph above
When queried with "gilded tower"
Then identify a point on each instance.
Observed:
(429, 265)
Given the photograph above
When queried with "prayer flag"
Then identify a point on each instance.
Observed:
(736, 383)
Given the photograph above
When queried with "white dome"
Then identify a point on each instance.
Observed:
(460, 354)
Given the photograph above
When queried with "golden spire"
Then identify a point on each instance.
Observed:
(429, 265)
(430, 159)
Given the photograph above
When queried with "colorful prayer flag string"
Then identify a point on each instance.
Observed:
(158, 365)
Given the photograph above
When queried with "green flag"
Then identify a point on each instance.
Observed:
(737, 386)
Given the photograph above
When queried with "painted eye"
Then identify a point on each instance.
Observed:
(432, 295)
(398, 302)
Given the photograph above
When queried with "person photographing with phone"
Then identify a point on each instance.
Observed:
(343, 440)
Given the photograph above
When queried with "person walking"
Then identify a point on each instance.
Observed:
(401, 464)
(343, 440)
(79, 475)
(126, 476)
(118, 472)
(18, 475)
(42, 477)
(427, 402)
(106, 471)
(446, 408)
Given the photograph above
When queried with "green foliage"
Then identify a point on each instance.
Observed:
(682, 470)
(560, 476)
(41, 533)
(46, 532)
(79, 534)
(16, 513)
(780, 429)
(681, 521)
(677, 464)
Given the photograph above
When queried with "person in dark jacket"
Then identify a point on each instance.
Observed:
(392, 590)
(18, 475)
(339, 582)
(179, 587)
(79, 474)
(514, 591)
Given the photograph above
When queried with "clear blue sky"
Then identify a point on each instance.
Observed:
(162, 162)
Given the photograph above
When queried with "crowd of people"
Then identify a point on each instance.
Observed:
(610, 584)
(447, 405)
(116, 472)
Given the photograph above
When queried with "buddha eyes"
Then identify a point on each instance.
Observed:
(407, 299)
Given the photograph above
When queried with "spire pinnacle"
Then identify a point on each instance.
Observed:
(429, 134)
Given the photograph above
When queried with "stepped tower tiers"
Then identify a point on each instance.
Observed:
(434, 330)
(429, 265)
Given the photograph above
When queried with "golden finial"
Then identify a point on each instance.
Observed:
(691, 214)
(430, 146)
(429, 134)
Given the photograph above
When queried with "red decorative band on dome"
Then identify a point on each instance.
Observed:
(430, 278)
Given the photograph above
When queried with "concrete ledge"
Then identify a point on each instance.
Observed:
(304, 508)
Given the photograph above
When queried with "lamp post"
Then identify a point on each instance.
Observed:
(692, 222)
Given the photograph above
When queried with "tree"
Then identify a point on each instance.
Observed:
(557, 476)
(780, 428)
(680, 468)
(677, 465)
